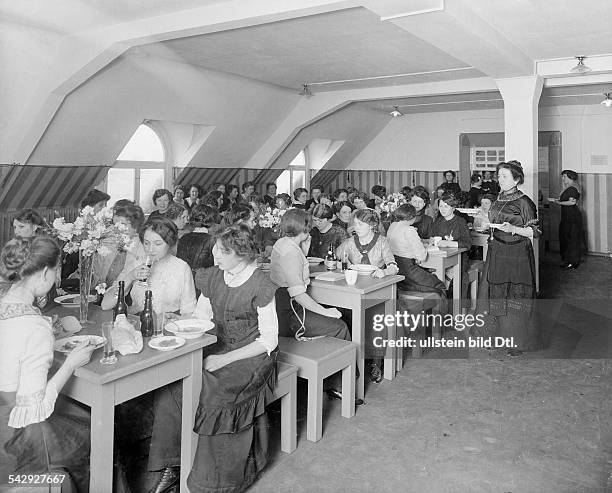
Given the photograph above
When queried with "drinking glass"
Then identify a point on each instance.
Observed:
(109, 357)
(160, 322)
(145, 281)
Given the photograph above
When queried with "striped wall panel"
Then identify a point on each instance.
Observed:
(6, 219)
(597, 211)
(24, 187)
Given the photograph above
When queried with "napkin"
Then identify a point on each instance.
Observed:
(71, 324)
(126, 339)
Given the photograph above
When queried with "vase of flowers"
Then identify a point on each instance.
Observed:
(91, 234)
(392, 202)
(270, 219)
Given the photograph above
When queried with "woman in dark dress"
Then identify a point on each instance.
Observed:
(162, 199)
(325, 233)
(343, 211)
(449, 184)
(195, 248)
(507, 290)
(419, 198)
(238, 378)
(570, 228)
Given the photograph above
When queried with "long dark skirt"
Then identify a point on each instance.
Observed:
(417, 278)
(61, 442)
(571, 239)
(507, 293)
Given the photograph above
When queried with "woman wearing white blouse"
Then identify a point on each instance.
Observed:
(238, 378)
(169, 278)
(32, 435)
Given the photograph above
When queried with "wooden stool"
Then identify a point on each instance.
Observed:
(316, 360)
(473, 273)
(416, 302)
(286, 391)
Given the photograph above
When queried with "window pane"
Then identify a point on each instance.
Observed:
(299, 160)
(282, 182)
(120, 184)
(297, 180)
(150, 180)
(144, 145)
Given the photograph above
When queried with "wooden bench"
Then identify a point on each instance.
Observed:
(316, 360)
(286, 391)
(416, 302)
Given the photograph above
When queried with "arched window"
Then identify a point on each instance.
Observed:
(140, 169)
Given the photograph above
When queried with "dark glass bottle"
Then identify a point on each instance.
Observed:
(330, 260)
(121, 306)
(147, 318)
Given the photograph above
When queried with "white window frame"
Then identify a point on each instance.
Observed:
(491, 158)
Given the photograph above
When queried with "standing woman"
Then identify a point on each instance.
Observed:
(449, 183)
(570, 228)
(508, 280)
(32, 434)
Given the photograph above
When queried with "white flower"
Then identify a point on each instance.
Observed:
(104, 250)
(101, 288)
(87, 211)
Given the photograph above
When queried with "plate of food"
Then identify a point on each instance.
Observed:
(468, 211)
(315, 260)
(190, 328)
(166, 343)
(67, 344)
(73, 299)
(365, 269)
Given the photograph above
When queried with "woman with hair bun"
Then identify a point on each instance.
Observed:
(27, 224)
(570, 228)
(33, 435)
(508, 280)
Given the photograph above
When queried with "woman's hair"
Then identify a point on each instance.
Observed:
(212, 198)
(294, 222)
(93, 197)
(475, 178)
(299, 191)
(491, 196)
(175, 210)
(451, 172)
(132, 213)
(421, 192)
(239, 239)
(322, 211)
(337, 207)
(285, 198)
(247, 184)
(379, 191)
(160, 192)
(360, 195)
(271, 184)
(405, 191)
(22, 258)
(404, 212)
(339, 191)
(240, 212)
(257, 199)
(572, 175)
(30, 216)
(197, 187)
(450, 199)
(204, 216)
(326, 196)
(368, 216)
(163, 226)
(180, 187)
(316, 187)
(516, 168)
(123, 202)
(229, 188)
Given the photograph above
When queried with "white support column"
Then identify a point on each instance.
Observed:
(521, 97)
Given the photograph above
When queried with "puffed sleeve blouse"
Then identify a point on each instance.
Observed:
(26, 354)
(517, 209)
(289, 267)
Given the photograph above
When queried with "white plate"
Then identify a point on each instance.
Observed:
(191, 328)
(363, 268)
(494, 225)
(166, 343)
(315, 260)
(67, 344)
(72, 299)
(465, 210)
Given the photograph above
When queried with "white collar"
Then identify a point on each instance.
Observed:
(241, 277)
(200, 230)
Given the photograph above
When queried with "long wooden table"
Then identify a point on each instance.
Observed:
(441, 260)
(366, 293)
(102, 387)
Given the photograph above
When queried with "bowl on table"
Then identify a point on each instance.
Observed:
(363, 269)
(190, 328)
(314, 260)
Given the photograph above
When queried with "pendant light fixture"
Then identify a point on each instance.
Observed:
(396, 112)
(580, 67)
(607, 102)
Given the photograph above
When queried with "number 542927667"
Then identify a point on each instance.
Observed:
(31, 479)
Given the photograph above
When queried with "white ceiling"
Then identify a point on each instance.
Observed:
(347, 44)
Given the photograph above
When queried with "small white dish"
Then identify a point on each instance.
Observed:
(363, 269)
(72, 299)
(166, 343)
(314, 260)
(67, 344)
(191, 328)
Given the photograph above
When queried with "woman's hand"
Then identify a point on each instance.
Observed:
(215, 361)
(333, 313)
(552, 200)
(139, 273)
(80, 355)
(378, 273)
(508, 228)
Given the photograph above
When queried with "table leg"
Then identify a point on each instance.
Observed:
(348, 391)
(314, 414)
(192, 385)
(457, 286)
(358, 334)
(102, 436)
(391, 353)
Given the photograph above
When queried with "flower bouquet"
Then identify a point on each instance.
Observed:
(90, 234)
(270, 219)
(392, 202)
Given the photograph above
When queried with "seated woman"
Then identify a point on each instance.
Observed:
(342, 211)
(409, 252)
(28, 223)
(179, 195)
(32, 434)
(162, 199)
(300, 198)
(283, 202)
(368, 246)
(455, 234)
(238, 378)
(168, 277)
(325, 232)
(195, 248)
(419, 198)
(481, 220)
(179, 215)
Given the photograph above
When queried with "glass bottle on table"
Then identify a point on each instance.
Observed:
(147, 316)
(121, 305)
(330, 259)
